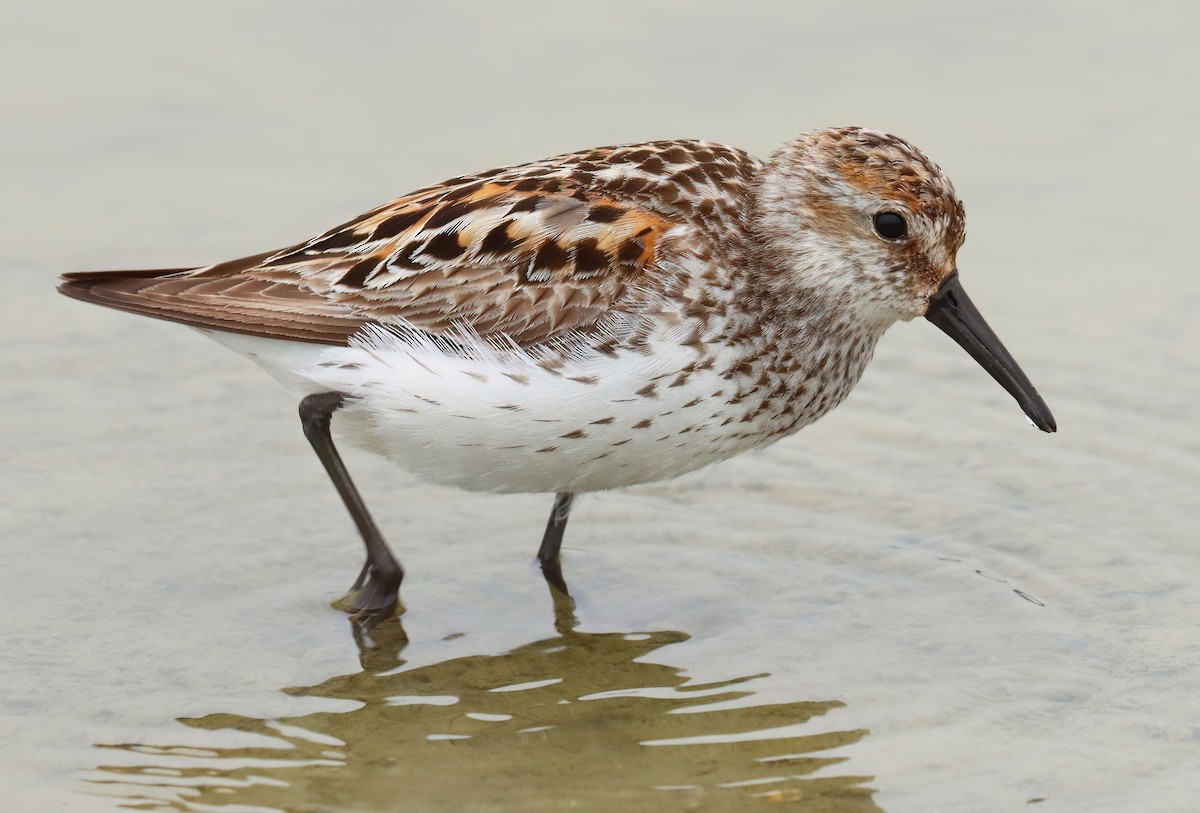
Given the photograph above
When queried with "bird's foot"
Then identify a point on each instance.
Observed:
(374, 597)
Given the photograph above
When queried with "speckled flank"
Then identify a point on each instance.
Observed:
(592, 320)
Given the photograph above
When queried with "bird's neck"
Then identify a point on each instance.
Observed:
(793, 348)
(802, 325)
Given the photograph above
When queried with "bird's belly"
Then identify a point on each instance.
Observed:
(517, 425)
(554, 433)
(537, 455)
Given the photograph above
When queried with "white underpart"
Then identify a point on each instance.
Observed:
(495, 419)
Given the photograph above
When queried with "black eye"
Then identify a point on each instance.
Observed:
(890, 225)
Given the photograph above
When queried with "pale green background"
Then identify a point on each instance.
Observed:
(170, 544)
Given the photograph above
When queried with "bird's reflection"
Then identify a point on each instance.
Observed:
(579, 721)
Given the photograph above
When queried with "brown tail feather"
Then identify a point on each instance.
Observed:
(95, 276)
(220, 297)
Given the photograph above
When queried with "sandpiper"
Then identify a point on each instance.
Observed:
(594, 320)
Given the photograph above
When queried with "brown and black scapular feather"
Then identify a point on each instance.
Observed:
(532, 251)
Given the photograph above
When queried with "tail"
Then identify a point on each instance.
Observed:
(219, 297)
(113, 289)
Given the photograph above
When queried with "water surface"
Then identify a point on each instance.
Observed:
(918, 603)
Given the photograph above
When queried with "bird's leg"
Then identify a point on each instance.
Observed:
(374, 594)
(552, 540)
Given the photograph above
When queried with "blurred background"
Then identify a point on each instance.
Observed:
(918, 603)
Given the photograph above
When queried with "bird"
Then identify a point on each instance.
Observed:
(593, 320)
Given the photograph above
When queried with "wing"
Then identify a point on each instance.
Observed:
(531, 252)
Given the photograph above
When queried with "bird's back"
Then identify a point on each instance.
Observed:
(529, 253)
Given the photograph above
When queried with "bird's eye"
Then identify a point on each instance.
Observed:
(890, 225)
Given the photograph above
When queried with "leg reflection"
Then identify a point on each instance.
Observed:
(565, 620)
(379, 646)
(600, 717)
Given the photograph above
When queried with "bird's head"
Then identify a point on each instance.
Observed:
(863, 223)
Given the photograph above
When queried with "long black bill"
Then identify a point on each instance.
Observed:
(952, 310)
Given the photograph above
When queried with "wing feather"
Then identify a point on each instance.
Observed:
(531, 252)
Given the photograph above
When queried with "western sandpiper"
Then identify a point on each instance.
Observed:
(610, 317)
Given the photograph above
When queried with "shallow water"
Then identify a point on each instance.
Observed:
(916, 604)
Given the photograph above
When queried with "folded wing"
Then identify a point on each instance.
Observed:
(530, 252)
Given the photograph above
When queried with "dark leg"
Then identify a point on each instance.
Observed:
(375, 590)
(552, 540)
